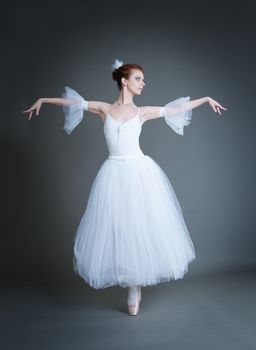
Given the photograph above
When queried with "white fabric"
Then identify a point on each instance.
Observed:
(118, 138)
(116, 64)
(162, 110)
(73, 112)
(132, 232)
(177, 115)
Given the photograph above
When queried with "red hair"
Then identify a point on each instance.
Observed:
(124, 71)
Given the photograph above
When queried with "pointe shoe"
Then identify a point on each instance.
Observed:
(134, 309)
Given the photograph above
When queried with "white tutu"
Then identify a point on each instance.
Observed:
(132, 231)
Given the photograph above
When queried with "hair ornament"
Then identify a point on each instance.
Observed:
(116, 65)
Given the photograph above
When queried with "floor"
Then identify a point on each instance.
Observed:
(214, 312)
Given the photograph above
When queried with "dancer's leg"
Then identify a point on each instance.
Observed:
(134, 293)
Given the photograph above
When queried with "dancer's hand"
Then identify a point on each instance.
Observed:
(36, 106)
(215, 105)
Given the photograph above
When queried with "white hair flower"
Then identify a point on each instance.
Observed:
(116, 65)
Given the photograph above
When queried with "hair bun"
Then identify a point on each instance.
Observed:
(116, 64)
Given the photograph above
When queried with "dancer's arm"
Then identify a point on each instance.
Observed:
(177, 113)
(74, 106)
(153, 112)
(96, 107)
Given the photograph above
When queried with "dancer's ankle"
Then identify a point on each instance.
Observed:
(133, 295)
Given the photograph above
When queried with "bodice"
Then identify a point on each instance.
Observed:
(122, 138)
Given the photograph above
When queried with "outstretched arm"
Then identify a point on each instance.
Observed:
(96, 107)
(195, 103)
(151, 112)
(73, 106)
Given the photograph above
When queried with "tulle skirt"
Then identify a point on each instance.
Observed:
(132, 231)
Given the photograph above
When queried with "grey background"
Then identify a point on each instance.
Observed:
(191, 49)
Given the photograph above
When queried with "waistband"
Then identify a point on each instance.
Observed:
(124, 157)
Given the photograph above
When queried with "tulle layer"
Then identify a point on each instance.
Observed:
(73, 112)
(177, 115)
(132, 231)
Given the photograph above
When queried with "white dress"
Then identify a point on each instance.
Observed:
(132, 231)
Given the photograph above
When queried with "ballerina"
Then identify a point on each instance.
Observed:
(132, 232)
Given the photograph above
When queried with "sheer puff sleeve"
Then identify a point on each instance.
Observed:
(177, 115)
(74, 111)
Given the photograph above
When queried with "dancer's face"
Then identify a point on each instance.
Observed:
(135, 83)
